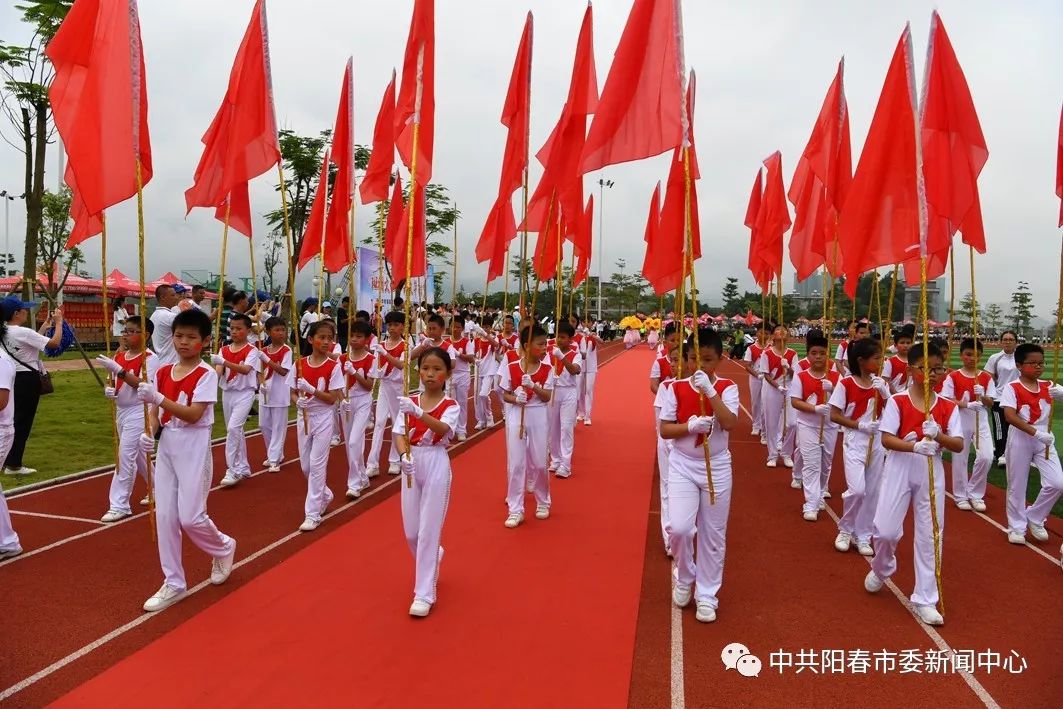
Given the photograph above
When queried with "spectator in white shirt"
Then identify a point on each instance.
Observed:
(162, 320)
(1002, 366)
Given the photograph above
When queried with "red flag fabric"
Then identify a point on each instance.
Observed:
(338, 254)
(583, 255)
(880, 223)
(500, 227)
(651, 265)
(391, 225)
(397, 258)
(820, 185)
(315, 223)
(239, 209)
(100, 104)
(374, 186)
(547, 247)
(1059, 168)
(757, 266)
(640, 112)
(417, 96)
(241, 142)
(773, 218)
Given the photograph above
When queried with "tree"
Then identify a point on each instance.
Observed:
(26, 74)
(732, 304)
(994, 317)
(962, 316)
(51, 242)
(1022, 307)
(301, 159)
(273, 256)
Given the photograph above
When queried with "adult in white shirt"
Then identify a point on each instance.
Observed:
(308, 318)
(22, 346)
(1002, 366)
(162, 321)
(118, 318)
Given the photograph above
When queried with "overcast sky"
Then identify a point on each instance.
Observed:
(763, 69)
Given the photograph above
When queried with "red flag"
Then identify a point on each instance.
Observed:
(337, 252)
(315, 223)
(773, 218)
(880, 223)
(820, 185)
(239, 209)
(391, 226)
(548, 247)
(757, 266)
(651, 263)
(500, 227)
(374, 187)
(241, 142)
(640, 113)
(1059, 169)
(397, 257)
(583, 255)
(417, 97)
(100, 103)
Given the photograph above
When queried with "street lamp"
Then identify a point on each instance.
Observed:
(8, 199)
(602, 184)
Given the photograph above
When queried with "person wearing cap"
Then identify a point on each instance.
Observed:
(22, 346)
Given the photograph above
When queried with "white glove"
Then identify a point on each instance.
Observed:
(421, 340)
(348, 368)
(979, 390)
(823, 409)
(345, 406)
(880, 385)
(931, 429)
(110, 392)
(1055, 391)
(379, 349)
(868, 427)
(975, 405)
(782, 388)
(557, 354)
(927, 448)
(147, 443)
(700, 424)
(147, 393)
(109, 364)
(785, 365)
(828, 386)
(302, 402)
(526, 381)
(217, 359)
(479, 331)
(760, 376)
(263, 357)
(305, 387)
(521, 396)
(406, 465)
(1045, 437)
(406, 406)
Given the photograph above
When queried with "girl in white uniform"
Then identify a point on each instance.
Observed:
(750, 362)
(238, 366)
(775, 368)
(486, 366)
(664, 446)
(974, 392)
(355, 409)
(691, 512)
(9, 542)
(319, 387)
(590, 373)
(275, 391)
(817, 434)
(425, 426)
(390, 369)
(565, 360)
(462, 355)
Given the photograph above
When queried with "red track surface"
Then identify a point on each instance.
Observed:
(92, 585)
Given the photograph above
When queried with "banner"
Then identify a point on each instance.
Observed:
(369, 285)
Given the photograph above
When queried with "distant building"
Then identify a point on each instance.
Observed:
(811, 287)
(935, 298)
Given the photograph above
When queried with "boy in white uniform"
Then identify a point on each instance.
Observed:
(278, 377)
(390, 368)
(486, 367)
(238, 365)
(911, 439)
(691, 512)
(974, 392)
(462, 354)
(355, 409)
(565, 361)
(664, 447)
(9, 541)
(126, 368)
(776, 366)
(750, 362)
(817, 434)
(589, 352)
(182, 397)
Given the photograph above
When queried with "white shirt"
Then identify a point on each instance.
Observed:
(24, 344)
(1002, 366)
(7, 381)
(162, 337)
(118, 318)
(231, 380)
(306, 321)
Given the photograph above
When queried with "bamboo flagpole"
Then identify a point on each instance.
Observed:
(535, 296)
(454, 280)
(144, 368)
(216, 345)
(974, 337)
(1056, 348)
(107, 330)
(291, 286)
(524, 245)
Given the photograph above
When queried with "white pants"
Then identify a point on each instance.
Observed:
(780, 441)
(8, 538)
(862, 483)
(755, 386)
(132, 461)
(183, 470)
(973, 487)
(424, 507)
(526, 457)
(387, 408)
(479, 404)
(816, 461)
(236, 405)
(459, 386)
(906, 482)
(273, 420)
(486, 386)
(1021, 452)
(664, 450)
(586, 400)
(354, 425)
(562, 426)
(313, 459)
(690, 513)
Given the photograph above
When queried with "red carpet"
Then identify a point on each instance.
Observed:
(543, 615)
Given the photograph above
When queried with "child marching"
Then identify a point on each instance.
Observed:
(895, 369)
(566, 363)
(10, 546)
(750, 362)
(275, 390)
(390, 368)
(238, 365)
(355, 408)
(817, 434)
(973, 391)
(486, 366)
(664, 446)
(775, 367)
(462, 356)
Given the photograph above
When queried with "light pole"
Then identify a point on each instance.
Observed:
(8, 199)
(602, 184)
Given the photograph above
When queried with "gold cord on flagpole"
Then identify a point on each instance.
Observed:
(144, 366)
(505, 293)
(572, 280)
(1056, 346)
(952, 300)
(454, 280)
(108, 315)
(893, 295)
(216, 345)
(535, 296)
(936, 526)
(524, 245)
(407, 330)
(974, 334)
(295, 324)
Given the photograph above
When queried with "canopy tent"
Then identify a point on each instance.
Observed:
(118, 285)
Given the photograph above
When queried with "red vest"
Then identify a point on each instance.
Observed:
(416, 428)
(898, 369)
(812, 385)
(236, 358)
(362, 366)
(912, 418)
(755, 351)
(569, 357)
(775, 361)
(130, 364)
(396, 352)
(172, 389)
(321, 372)
(691, 403)
(516, 374)
(860, 398)
(275, 357)
(665, 367)
(1025, 397)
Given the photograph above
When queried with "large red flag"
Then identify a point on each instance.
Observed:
(337, 252)
(548, 247)
(880, 222)
(500, 227)
(237, 209)
(820, 185)
(651, 262)
(1059, 168)
(417, 97)
(241, 142)
(640, 112)
(100, 103)
(315, 223)
(391, 225)
(583, 255)
(374, 186)
(397, 257)
(761, 271)
(773, 218)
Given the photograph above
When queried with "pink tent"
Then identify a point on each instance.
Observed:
(120, 284)
(75, 285)
(166, 279)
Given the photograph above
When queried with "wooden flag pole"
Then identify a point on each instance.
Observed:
(107, 331)
(408, 368)
(216, 345)
(1055, 346)
(952, 300)
(454, 280)
(974, 335)
(291, 285)
(535, 296)
(572, 280)
(936, 526)
(524, 244)
(144, 367)
(352, 267)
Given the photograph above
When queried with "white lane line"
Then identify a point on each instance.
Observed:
(63, 517)
(1051, 559)
(678, 688)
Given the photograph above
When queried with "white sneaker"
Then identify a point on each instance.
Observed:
(843, 541)
(462, 437)
(10, 553)
(978, 505)
(552, 467)
(763, 440)
(273, 467)
(1015, 538)
(492, 423)
(755, 431)
(772, 463)
(563, 473)
(163, 598)
(706, 613)
(542, 512)
(20, 472)
(221, 568)
(681, 595)
(114, 516)
(795, 483)
(146, 501)
(334, 442)
(479, 426)
(929, 615)
(822, 505)
(514, 520)
(788, 461)
(393, 469)
(420, 608)
(864, 549)
(811, 516)
(872, 583)
(230, 479)
(529, 487)
(372, 471)
(579, 419)
(586, 422)
(964, 505)
(309, 524)
(1001, 461)
(826, 494)
(1039, 532)
(353, 494)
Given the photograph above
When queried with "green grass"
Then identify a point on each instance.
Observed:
(72, 431)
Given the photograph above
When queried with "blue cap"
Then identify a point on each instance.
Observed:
(12, 304)
(180, 288)
(262, 296)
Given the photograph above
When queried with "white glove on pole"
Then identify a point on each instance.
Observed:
(700, 424)
(931, 429)
(109, 364)
(147, 393)
(305, 387)
(110, 392)
(217, 359)
(147, 443)
(521, 396)
(1046, 438)
(868, 427)
(406, 406)
(927, 448)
